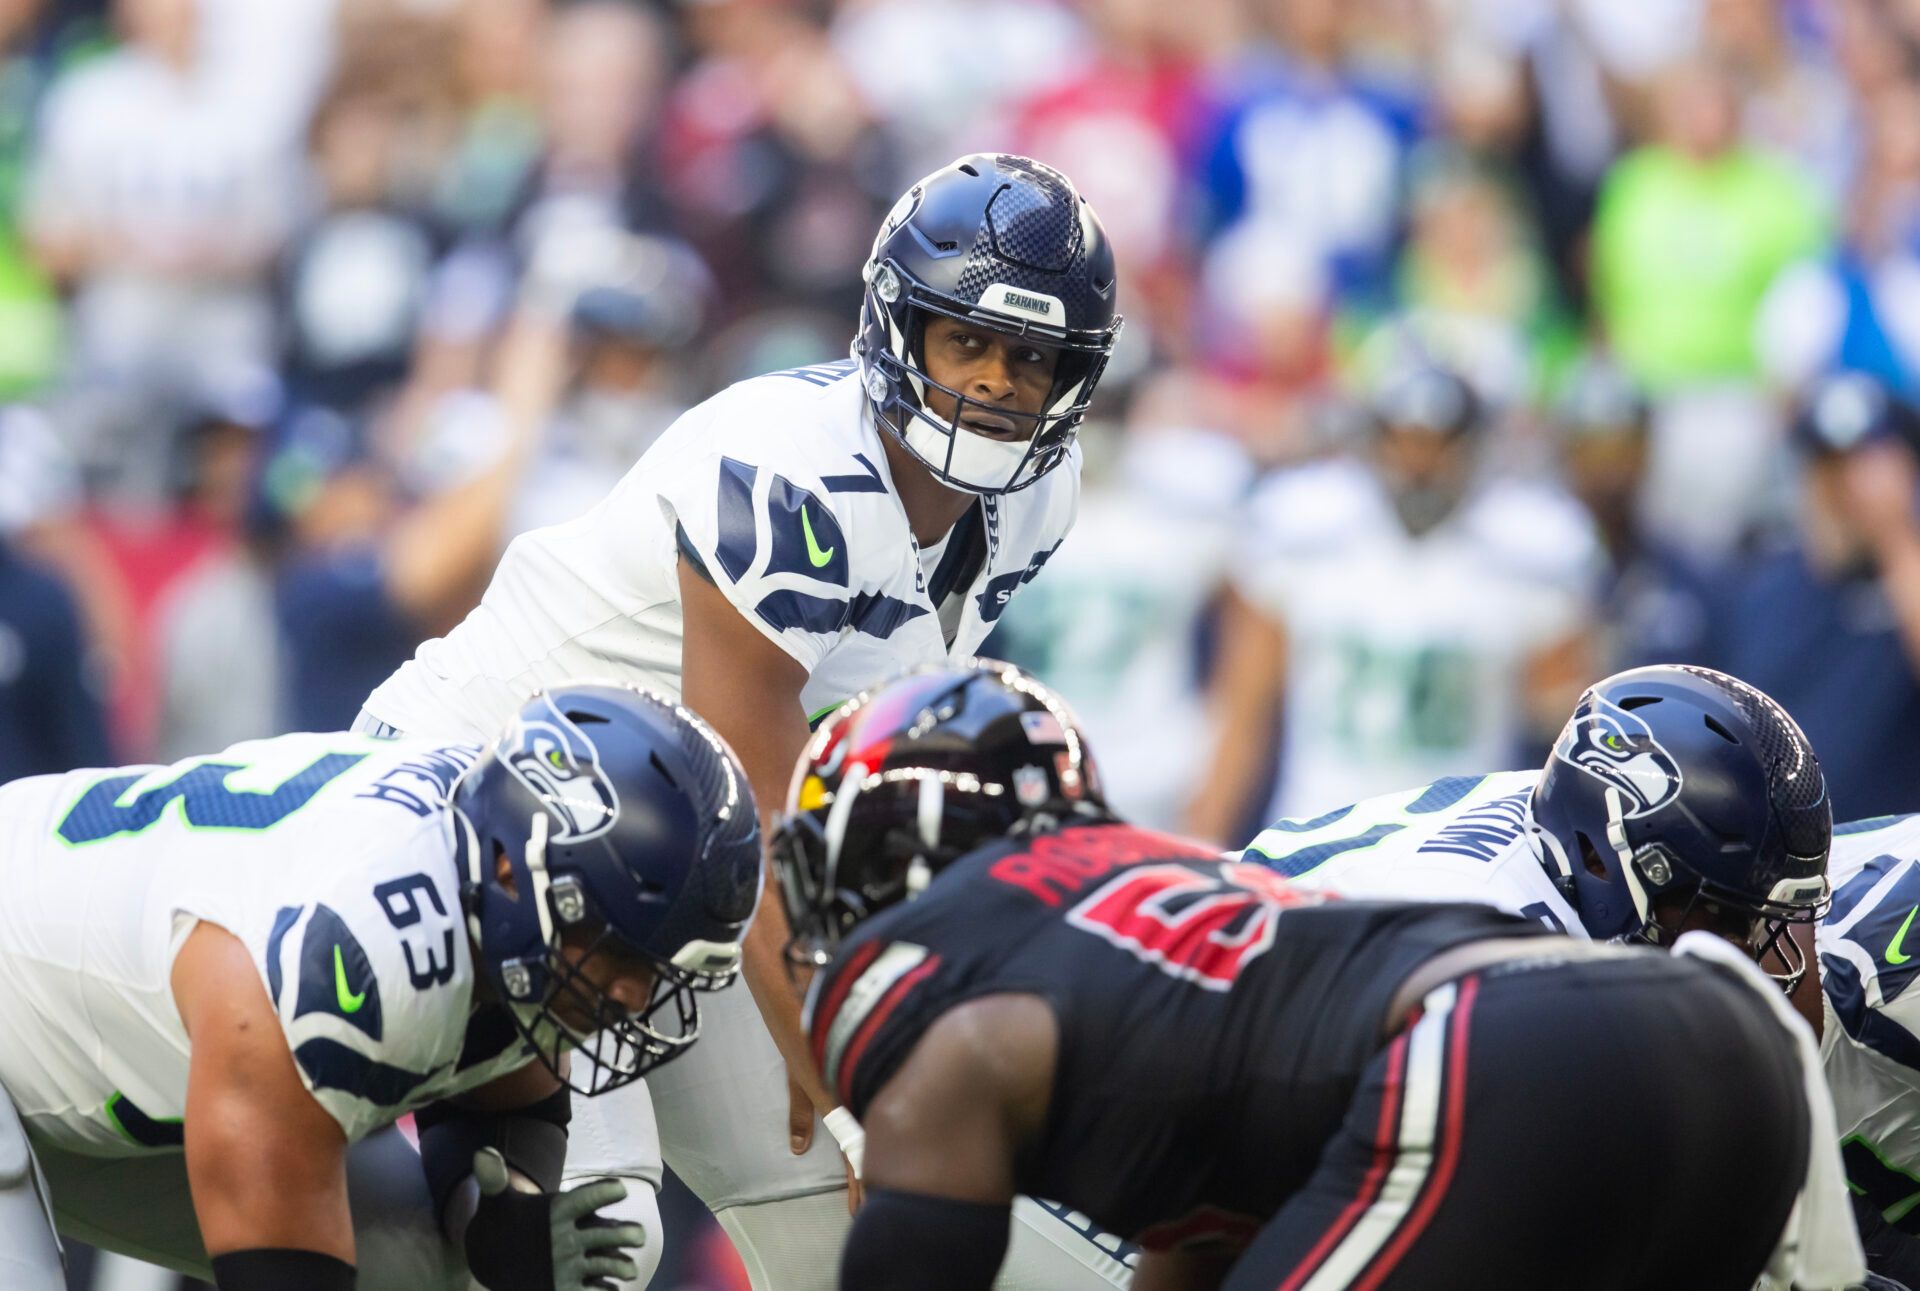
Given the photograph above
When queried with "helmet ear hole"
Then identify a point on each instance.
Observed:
(1591, 858)
(503, 872)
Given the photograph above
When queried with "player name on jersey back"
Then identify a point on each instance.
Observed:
(1464, 838)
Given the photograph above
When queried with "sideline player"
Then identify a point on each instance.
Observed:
(788, 543)
(1022, 992)
(228, 977)
(1411, 613)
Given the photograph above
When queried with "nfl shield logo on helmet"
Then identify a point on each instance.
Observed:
(1030, 786)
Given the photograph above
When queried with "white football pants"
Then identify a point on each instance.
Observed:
(141, 1206)
(29, 1252)
(722, 1126)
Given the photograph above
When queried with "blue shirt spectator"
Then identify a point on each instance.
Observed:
(1830, 650)
(1829, 622)
(1311, 150)
(50, 719)
(341, 635)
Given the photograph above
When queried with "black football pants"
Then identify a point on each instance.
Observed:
(1609, 1124)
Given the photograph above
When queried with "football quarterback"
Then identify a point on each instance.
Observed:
(796, 539)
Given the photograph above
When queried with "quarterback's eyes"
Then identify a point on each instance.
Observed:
(973, 343)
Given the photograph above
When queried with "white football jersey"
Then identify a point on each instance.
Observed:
(1465, 838)
(1405, 655)
(778, 487)
(1869, 960)
(332, 858)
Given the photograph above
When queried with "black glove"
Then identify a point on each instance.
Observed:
(546, 1241)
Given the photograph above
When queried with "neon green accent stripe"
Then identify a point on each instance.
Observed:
(114, 1117)
(813, 718)
(1900, 1209)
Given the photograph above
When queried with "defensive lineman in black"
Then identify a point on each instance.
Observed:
(1020, 993)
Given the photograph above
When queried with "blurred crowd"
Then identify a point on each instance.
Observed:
(1474, 348)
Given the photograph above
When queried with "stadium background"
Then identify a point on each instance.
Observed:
(306, 307)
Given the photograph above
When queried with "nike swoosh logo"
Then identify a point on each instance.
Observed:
(352, 1003)
(1893, 947)
(814, 554)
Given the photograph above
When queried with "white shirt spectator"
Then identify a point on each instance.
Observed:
(166, 207)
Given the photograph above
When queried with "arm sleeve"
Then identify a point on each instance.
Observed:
(904, 1241)
(770, 543)
(1890, 1252)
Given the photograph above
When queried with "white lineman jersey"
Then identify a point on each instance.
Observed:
(331, 858)
(1869, 960)
(1464, 838)
(779, 489)
(1404, 654)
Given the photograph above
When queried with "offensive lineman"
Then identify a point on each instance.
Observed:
(1265, 1088)
(1674, 798)
(266, 956)
(789, 542)
(1871, 1046)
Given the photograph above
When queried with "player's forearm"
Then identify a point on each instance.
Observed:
(1245, 693)
(905, 1241)
(442, 551)
(265, 1162)
(765, 968)
(251, 1192)
(1226, 787)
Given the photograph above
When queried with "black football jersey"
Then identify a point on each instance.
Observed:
(1214, 1023)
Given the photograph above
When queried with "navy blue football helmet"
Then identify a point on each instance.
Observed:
(1007, 243)
(629, 825)
(1675, 786)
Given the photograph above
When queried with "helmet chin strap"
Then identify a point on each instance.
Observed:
(969, 456)
(1553, 858)
(1623, 852)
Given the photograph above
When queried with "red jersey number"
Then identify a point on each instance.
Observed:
(1203, 926)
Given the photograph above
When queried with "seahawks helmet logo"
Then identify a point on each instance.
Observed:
(549, 754)
(1612, 745)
